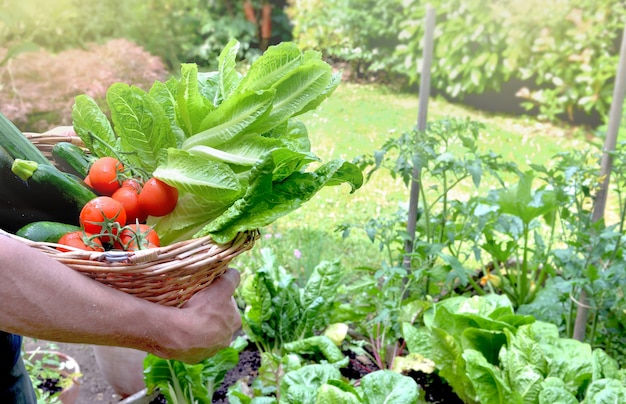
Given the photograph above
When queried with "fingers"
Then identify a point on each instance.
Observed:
(231, 278)
(221, 289)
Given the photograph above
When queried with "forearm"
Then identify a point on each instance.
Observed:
(44, 299)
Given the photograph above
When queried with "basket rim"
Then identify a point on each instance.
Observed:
(180, 250)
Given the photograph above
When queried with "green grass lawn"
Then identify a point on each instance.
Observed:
(356, 120)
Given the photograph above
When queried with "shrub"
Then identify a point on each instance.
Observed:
(37, 89)
(565, 50)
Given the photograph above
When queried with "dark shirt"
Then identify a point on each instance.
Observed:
(15, 385)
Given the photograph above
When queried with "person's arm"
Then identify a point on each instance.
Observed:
(42, 298)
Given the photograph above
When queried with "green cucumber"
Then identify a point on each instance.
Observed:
(71, 159)
(45, 231)
(64, 194)
(18, 145)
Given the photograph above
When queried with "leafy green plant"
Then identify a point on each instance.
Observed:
(489, 354)
(278, 311)
(49, 374)
(185, 383)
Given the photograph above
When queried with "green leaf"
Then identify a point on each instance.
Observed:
(488, 382)
(606, 391)
(191, 106)
(301, 386)
(318, 344)
(331, 394)
(228, 76)
(265, 201)
(294, 91)
(165, 95)
(554, 391)
(273, 65)
(385, 386)
(140, 122)
(418, 340)
(203, 178)
(231, 119)
(88, 118)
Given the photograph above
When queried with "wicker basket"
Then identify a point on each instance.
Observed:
(167, 275)
(46, 141)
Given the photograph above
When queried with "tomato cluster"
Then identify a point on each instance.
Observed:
(116, 218)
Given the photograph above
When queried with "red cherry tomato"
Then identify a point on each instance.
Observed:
(157, 198)
(80, 239)
(104, 175)
(103, 215)
(128, 196)
(138, 237)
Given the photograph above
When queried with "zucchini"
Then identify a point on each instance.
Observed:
(17, 145)
(45, 177)
(71, 159)
(19, 204)
(46, 231)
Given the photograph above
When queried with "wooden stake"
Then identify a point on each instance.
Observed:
(615, 116)
(424, 94)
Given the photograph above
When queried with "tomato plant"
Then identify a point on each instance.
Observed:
(104, 175)
(80, 239)
(128, 196)
(103, 215)
(138, 237)
(157, 198)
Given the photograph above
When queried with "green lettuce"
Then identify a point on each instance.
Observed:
(228, 142)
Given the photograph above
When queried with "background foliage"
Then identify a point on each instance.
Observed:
(564, 53)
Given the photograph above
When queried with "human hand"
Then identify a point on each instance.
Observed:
(208, 321)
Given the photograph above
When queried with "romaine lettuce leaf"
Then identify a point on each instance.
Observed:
(265, 201)
(141, 125)
(90, 120)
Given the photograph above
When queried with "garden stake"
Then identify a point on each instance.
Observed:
(606, 163)
(424, 92)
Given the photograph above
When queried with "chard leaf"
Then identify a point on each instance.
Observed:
(571, 361)
(228, 76)
(203, 178)
(273, 65)
(191, 106)
(488, 381)
(266, 201)
(88, 117)
(294, 91)
(323, 282)
(318, 344)
(487, 342)
(231, 118)
(606, 391)
(301, 386)
(258, 298)
(141, 125)
(332, 394)
(385, 386)
(554, 391)
(418, 340)
(604, 366)
(186, 383)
